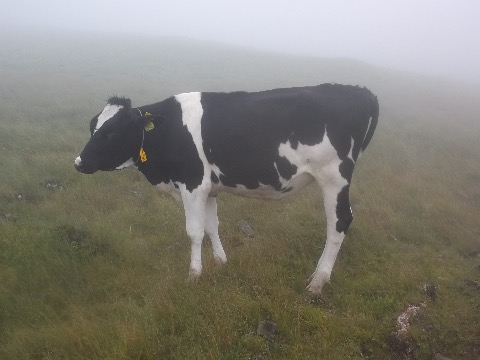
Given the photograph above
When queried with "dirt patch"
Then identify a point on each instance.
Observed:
(8, 217)
(267, 329)
(82, 241)
(473, 285)
(402, 346)
(71, 234)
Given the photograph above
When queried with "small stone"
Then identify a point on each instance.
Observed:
(430, 291)
(245, 228)
(403, 320)
(438, 356)
(53, 184)
(8, 217)
(267, 329)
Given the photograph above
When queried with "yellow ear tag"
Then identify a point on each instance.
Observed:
(149, 126)
(143, 155)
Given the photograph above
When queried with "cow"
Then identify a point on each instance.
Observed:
(267, 145)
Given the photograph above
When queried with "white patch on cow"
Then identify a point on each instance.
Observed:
(350, 154)
(108, 112)
(319, 160)
(78, 161)
(194, 204)
(282, 179)
(216, 170)
(126, 164)
(192, 112)
(366, 132)
(211, 228)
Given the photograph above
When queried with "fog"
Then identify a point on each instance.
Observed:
(433, 37)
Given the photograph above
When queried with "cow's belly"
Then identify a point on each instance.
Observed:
(292, 186)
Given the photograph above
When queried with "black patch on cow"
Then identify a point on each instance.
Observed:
(169, 147)
(293, 141)
(121, 101)
(346, 169)
(243, 131)
(344, 213)
(349, 116)
(285, 168)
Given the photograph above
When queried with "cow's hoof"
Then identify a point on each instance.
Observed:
(317, 283)
(314, 289)
(220, 261)
(193, 275)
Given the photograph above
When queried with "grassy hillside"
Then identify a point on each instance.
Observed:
(95, 267)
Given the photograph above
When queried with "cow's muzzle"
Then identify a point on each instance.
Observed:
(80, 166)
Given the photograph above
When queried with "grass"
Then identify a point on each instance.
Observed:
(96, 267)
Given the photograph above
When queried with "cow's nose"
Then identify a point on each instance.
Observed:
(78, 164)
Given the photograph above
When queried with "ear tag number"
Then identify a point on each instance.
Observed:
(143, 155)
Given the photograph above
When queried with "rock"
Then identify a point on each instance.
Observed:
(236, 242)
(245, 228)
(53, 184)
(473, 284)
(438, 356)
(267, 329)
(472, 254)
(8, 217)
(403, 320)
(430, 291)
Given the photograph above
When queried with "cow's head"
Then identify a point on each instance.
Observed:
(116, 138)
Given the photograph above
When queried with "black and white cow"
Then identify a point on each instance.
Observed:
(267, 144)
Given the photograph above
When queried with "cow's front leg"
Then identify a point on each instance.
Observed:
(194, 204)
(211, 228)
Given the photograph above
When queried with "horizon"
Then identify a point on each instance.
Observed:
(433, 38)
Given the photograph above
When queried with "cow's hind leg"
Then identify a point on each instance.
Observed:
(339, 217)
(211, 228)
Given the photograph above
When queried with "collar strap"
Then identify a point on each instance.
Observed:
(141, 152)
(142, 156)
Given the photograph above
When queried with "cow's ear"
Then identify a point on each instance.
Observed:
(150, 121)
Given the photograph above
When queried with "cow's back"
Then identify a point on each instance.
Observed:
(242, 132)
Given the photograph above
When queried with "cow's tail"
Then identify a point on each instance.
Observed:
(372, 125)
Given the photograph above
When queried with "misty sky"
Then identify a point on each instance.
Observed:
(436, 37)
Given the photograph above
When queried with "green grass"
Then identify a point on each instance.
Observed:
(97, 270)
